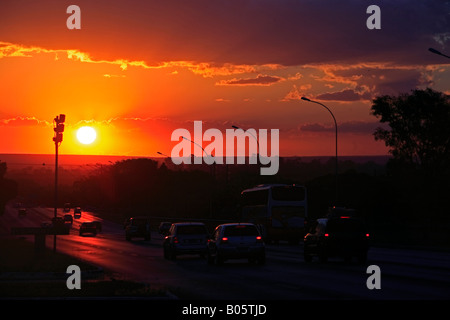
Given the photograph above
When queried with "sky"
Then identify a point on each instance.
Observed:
(138, 70)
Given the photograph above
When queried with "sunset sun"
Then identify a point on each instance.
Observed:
(86, 135)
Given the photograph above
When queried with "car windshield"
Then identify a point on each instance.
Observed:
(345, 225)
(240, 230)
(191, 229)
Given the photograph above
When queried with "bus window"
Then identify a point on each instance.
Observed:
(255, 198)
(288, 193)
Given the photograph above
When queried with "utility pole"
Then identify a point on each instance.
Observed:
(58, 127)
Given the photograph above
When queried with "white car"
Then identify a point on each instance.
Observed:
(185, 238)
(236, 241)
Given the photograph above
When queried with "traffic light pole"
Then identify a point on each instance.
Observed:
(56, 192)
(59, 129)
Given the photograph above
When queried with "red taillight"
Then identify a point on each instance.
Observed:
(224, 240)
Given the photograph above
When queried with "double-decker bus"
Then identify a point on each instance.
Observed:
(280, 211)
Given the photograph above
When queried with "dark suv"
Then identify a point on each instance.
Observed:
(338, 236)
(138, 227)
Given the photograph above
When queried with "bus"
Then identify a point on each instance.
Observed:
(279, 211)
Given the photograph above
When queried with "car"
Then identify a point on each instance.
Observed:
(77, 213)
(138, 227)
(236, 241)
(164, 228)
(185, 238)
(68, 219)
(88, 227)
(337, 236)
(67, 207)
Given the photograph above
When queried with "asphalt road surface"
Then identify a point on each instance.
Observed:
(405, 274)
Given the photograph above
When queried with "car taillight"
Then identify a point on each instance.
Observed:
(224, 240)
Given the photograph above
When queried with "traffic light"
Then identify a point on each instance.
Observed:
(59, 128)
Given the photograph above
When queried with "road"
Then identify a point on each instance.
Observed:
(405, 273)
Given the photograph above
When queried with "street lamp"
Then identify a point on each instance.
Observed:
(58, 127)
(162, 154)
(336, 143)
(208, 155)
(257, 142)
(438, 52)
(197, 145)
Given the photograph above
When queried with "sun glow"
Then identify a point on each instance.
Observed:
(86, 135)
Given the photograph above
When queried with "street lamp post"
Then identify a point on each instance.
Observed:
(162, 154)
(208, 155)
(438, 52)
(58, 123)
(257, 143)
(213, 174)
(256, 139)
(336, 144)
(199, 146)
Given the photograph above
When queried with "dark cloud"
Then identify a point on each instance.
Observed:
(260, 80)
(345, 95)
(365, 81)
(287, 32)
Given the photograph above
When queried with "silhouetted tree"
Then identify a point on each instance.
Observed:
(419, 140)
(419, 129)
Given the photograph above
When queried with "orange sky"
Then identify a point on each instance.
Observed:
(138, 70)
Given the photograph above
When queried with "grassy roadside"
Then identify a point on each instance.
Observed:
(24, 274)
(18, 255)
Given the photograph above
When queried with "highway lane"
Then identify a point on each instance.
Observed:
(405, 273)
